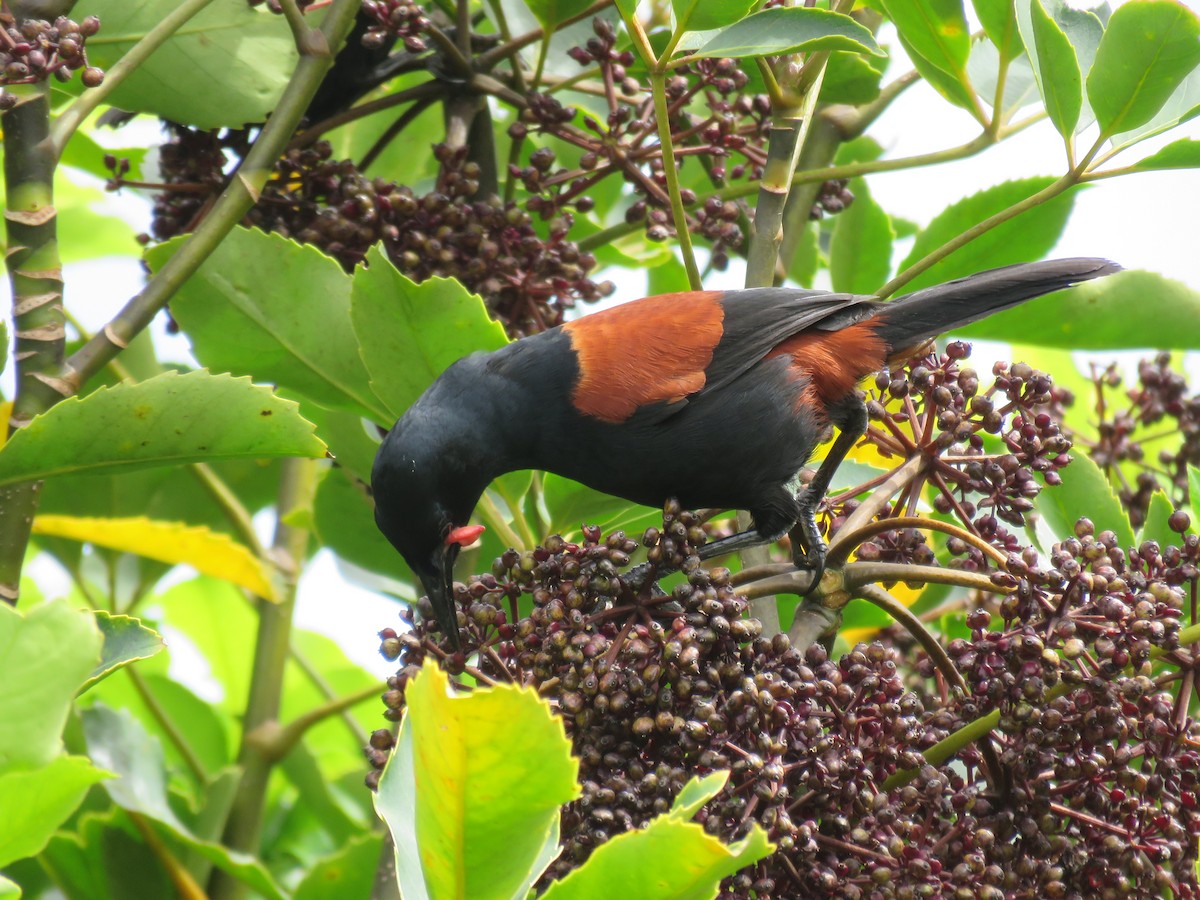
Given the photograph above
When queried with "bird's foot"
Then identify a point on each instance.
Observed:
(808, 547)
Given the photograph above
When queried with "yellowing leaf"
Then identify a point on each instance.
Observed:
(206, 551)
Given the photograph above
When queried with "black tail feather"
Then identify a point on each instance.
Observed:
(915, 318)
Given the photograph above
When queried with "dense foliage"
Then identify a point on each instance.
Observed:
(990, 693)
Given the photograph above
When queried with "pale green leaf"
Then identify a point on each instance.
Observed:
(1148, 49)
(480, 789)
(34, 802)
(166, 420)
(349, 872)
(702, 15)
(226, 67)
(45, 656)
(781, 30)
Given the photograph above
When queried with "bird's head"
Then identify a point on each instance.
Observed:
(424, 497)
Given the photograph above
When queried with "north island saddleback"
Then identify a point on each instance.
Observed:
(714, 398)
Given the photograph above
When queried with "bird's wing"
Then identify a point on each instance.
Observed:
(646, 358)
(760, 319)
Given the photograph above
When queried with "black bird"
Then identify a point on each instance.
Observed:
(715, 398)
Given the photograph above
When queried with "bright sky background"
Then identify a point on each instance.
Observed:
(1147, 221)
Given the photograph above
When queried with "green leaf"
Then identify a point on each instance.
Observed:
(118, 742)
(242, 55)
(999, 21)
(696, 793)
(345, 522)
(105, 859)
(1182, 106)
(1148, 49)
(1030, 235)
(85, 233)
(550, 12)
(1181, 154)
(1082, 29)
(935, 35)
(1194, 496)
(632, 864)
(572, 505)
(702, 15)
(409, 333)
(348, 873)
(1057, 70)
(34, 802)
(1095, 315)
(860, 255)
(1156, 528)
(851, 78)
(126, 640)
(45, 656)
(296, 333)
(9, 890)
(1020, 87)
(167, 420)
(1084, 492)
(806, 261)
(481, 791)
(781, 30)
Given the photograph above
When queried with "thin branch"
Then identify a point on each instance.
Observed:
(860, 573)
(275, 743)
(658, 84)
(487, 61)
(878, 526)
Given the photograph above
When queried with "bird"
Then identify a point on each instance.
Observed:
(713, 398)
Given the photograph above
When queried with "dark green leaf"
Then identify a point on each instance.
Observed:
(999, 21)
(851, 78)
(702, 15)
(860, 256)
(1182, 154)
(781, 30)
(295, 334)
(345, 522)
(345, 875)
(167, 420)
(120, 744)
(409, 333)
(550, 12)
(1147, 51)
(105, 859)
(1057, 70)
(242, 54)
(1155, 527)
(45, 655)
(572, 505)
(126, 639)
(1097, 315)
(1084, 493)
(1030, 235)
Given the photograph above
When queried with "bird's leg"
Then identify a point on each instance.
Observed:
(808, 549)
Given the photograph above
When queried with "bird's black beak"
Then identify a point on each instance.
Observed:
(439, 587)
(439, 582)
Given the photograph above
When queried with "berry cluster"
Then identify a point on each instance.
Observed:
(713, 118)
(399, 19)
(1159, 402)
(492, 247)
(936, 408)
(33, 50)
(1099, 763)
